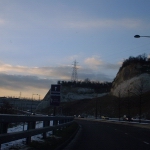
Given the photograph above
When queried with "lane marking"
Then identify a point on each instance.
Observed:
(146, 142)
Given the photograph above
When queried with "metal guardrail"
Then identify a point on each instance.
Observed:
(5, 120)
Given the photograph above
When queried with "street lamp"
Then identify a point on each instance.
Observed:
(96, 110)
(32, 101)
(138, 36)
(128, 107)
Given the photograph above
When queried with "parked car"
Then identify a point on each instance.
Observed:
(80, 116)
(127, 118)
(103, 117)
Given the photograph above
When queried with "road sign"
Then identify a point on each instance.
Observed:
(54, 100)
(55, 95)
(55, 88)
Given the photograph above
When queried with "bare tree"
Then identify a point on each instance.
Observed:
(119, 95)
(140, 88)
(119, 107)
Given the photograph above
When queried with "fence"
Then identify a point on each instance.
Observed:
(5, 120)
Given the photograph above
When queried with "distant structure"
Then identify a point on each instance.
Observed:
(74, 76)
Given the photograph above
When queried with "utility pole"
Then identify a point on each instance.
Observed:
(128, 106)
(20, 101)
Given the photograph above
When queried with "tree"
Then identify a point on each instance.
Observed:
(6, 107)
(139, 89)
(119, 98)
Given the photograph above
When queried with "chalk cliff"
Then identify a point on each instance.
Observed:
(70, 94)
(132, 78)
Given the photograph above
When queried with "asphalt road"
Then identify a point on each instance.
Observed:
(95, 135)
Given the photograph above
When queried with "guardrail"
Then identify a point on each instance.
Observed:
(5, 120)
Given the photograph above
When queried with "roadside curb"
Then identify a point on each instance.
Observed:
(63, 145)
(73, 139)
(147, 126)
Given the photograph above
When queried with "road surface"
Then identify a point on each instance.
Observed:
(94, 135)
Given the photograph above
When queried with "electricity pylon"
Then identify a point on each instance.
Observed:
(74, 76)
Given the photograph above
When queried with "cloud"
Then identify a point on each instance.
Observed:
(66, 21)
(62, 72)
(2, 22)
(106, 23)
(94, 76)
(22, 82)
(83, 24)
(11, 85)
(59, 72)
(93, 61)
(112, 66)
(73, 57)
(19, 15)
(30, 80)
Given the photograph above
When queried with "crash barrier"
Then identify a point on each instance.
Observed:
(5, 120)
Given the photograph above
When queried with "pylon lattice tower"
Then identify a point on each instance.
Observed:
(74, 76)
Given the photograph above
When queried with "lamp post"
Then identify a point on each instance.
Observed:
(138, 36)
(128, 106)
(140, 103)
(32, 101)
(96, 107)
(96, 110)
(119, 106)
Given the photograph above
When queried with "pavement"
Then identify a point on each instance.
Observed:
(93, 135)
(131, 123)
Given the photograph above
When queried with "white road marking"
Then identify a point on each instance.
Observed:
(146, 142)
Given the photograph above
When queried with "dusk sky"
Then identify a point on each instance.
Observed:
(40, 40)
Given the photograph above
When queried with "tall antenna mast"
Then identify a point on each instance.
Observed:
(74, 76)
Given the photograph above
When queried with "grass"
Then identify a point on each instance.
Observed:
(60, 137)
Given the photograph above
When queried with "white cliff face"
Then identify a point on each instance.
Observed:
(74, 96)
(132, 86)
(42, 105)
(70, 94)
(45, 102)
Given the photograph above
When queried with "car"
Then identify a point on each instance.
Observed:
(127, 118)
(80, 116)
(103, 117)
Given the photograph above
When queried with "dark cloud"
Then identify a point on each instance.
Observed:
(17, 82)
(112, 66)
(39, 79)
(95, 77)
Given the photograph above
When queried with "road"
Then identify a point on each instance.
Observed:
(94, 135)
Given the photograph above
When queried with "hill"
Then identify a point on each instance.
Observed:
(133, 76)
(107, 105)
(129, 93)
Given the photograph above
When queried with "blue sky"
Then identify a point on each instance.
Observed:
(40, 40)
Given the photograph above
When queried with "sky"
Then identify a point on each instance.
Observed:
(41, 39)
